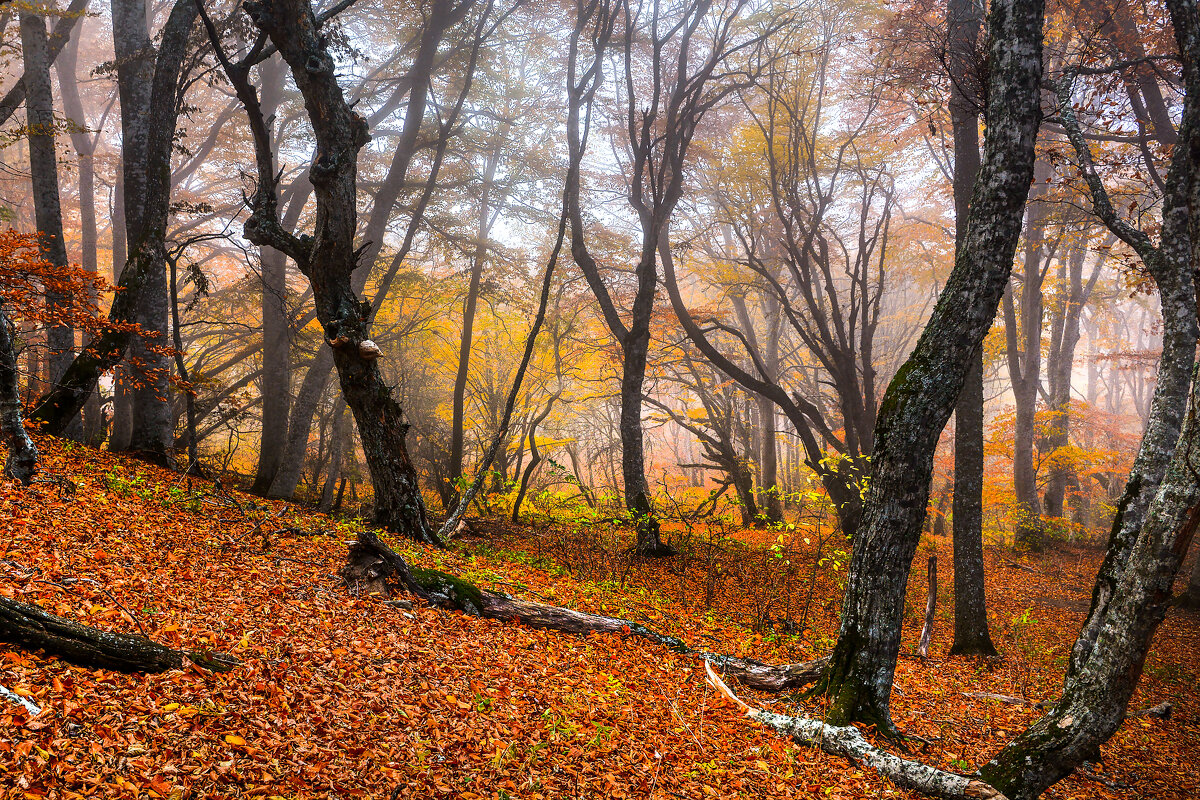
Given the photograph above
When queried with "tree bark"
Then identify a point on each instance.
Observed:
(920, 398)
(22, 461)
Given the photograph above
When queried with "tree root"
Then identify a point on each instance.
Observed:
(371, 563)
(848, 742)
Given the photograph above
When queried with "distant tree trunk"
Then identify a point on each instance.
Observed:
(21, 463)
(1024, 347)
(964, 20)
(1060, 363)
(43, 167)
(276, 339)
(483, 227)
(152, 429)
(291, 464)
(84, 143)
(342, 442)
(920, 398)
(535, 457)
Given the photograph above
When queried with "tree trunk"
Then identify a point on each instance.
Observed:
(633, 455)
(152, 423)
(964, 20)
(328, 259)
(971, 634)
(43, 168)
(276, 333)
(921, 397)
(1024, 346)
(21, 464)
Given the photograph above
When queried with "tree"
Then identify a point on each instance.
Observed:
(668, 87)
(920, 398)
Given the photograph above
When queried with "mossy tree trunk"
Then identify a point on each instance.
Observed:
(1133, 589)
(921, 397)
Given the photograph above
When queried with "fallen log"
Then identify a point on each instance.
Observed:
(371, 562)
(33, 628)
(848, 742)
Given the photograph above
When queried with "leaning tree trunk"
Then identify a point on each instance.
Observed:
(920, 398)
(1170, 264)
(1097, 692)
(964, 19)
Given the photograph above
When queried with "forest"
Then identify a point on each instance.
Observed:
(599, 398)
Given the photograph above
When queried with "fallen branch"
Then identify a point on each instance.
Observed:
(849, 743)
(13, 697)
(1004, 698)
(33, 628)
(371, 562)
(1026, 567)
(1160, 711)
(930, 607)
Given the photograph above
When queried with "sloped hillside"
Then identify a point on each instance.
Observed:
(344, 696)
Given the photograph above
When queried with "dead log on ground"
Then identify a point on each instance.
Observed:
(371, 563)
(31, 627)
(849, 743)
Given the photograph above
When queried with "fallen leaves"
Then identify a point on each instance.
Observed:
(345, 697)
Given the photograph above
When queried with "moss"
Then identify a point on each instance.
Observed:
(463, 595)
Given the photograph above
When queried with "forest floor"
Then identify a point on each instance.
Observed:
(340, 696)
